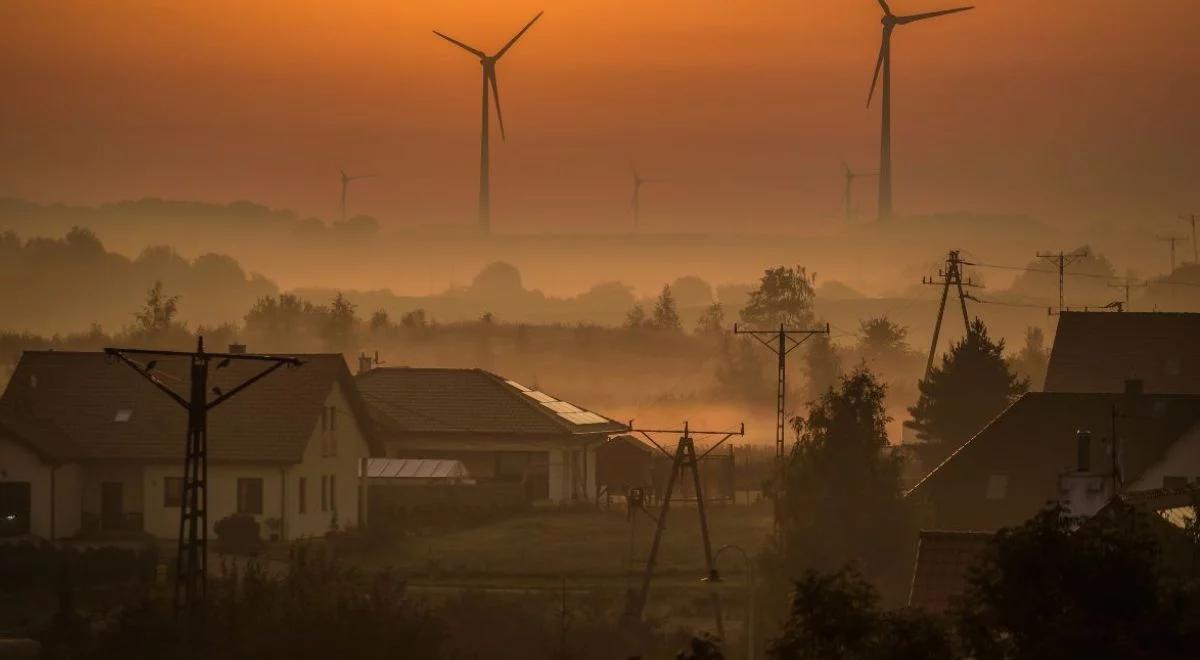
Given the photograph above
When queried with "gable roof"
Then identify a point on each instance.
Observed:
(420, 400)
(1033, 441)
(1099, 351)
(85, 405)
(944, 562)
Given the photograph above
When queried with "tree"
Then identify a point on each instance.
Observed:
(1031, 363)
(712, 321)
(157, 315)
(837, 615)
(339, 326)
(971, 386)
(824, 365)
(380, 321)
(414, 319)
(842, 496)
(881, 340)
(784, 296)
(1058, 588)
(635, 318)
(666, 317)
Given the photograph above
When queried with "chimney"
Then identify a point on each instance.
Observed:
(365, 363)
(1083, 443)
(237, 349)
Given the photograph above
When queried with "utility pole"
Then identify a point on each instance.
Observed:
(1172, 239)
(1191, 219)
(684, 458)
(950, 275)
(1128, 284)
(782, 342)
(191, 566)
(1061, 260)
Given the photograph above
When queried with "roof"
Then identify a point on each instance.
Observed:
(86, 405)
(1099, 351)
(1032, 442)
(419, 400)
(416, 468)
(944, 562)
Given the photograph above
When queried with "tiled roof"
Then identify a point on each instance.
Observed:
(944, 561)
(76, 405)
(413, 400)
(1099, 351)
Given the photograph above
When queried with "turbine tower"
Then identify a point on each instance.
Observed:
(488, 63)
(846, 193)
(638, 182)
(884, 63)
(346, 179)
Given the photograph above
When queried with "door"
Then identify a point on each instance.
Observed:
(14, 508)
(112, 505)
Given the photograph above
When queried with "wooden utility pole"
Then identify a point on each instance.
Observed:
(191, 565)
(951, 275)
(781, 342)
(683, 458)
(1061, 260)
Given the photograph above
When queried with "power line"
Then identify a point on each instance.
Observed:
(952, 274)
(1062, 260)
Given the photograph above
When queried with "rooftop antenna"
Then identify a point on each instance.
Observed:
(849, 187)
(1129, 283)
(884, 64)
(346, 179)
(191, 568)
(488, 62)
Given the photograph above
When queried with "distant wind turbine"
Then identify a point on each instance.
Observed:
(489, 79)
(638, 182)
(884, 63)
(346, 179)
(846, 193)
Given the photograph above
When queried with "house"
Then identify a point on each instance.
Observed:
(944, 562)
(88, 445)
(1018, 462)
(499, 429)
(1099, 351)
(624, 463)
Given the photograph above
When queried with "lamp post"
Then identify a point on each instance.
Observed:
(714, 576)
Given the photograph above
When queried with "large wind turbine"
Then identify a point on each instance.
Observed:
(850, 177)
(489, 79)
(638, 182)
(890, 21)
(346, 179)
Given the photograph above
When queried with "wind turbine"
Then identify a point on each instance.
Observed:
(884, 62)
(346, 179)
(850, 177)
(489, 78)
(638, 182)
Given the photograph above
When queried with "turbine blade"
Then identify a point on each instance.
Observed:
(878, 65)
(518, 35)
(903, 20)
(456, 42)
(886, 9)
(496, 98)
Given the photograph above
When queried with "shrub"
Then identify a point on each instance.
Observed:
(238, 534)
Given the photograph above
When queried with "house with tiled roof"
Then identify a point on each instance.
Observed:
(87, 445)
(1016, 464)
(1099, 351)
(499, 429)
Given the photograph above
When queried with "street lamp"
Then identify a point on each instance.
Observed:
(714, 576)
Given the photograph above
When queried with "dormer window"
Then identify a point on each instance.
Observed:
(123, 416)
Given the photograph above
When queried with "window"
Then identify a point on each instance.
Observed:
(997, 487)
(324, 493)
(332, 418)
(324, 418)
(333, 492)
(173, 491)
(302, 495)
(250, 495)
(123, 416)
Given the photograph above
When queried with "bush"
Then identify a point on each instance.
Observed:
(238, 534)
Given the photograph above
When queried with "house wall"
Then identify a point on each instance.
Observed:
(20, 465)
(126, 473)
(68, 500)
(163, 521)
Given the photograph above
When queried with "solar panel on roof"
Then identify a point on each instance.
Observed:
(518, 385)
(540, 396)
(583, 417)
(562, 407)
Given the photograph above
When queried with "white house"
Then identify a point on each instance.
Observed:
(88, 446)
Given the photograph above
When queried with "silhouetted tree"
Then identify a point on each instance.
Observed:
(692, 291)
(842, 496)
(1055, 588)
(414, 319)
(971, 386)
(1031, 362)
(635, 318)
(666, 317)
(379, 321)
(157, 316)
(740, 370)
(339, 326)
(712, 321)
(881, 340)
(824, 365)
(784, 296)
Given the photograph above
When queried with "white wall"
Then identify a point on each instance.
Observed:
(163, 522)
(19, 464)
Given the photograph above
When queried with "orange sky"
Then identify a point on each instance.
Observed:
(1062, 109)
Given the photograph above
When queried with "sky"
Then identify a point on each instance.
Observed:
(1066, 110)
